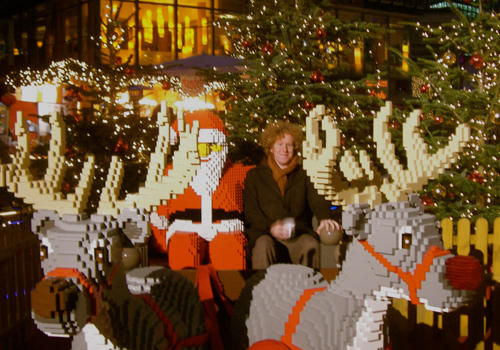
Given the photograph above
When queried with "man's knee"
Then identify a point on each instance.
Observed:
(309, 251)
(263, 252)
(264, 242)
(308, 242)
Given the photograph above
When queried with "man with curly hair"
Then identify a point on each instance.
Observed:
(279, 202)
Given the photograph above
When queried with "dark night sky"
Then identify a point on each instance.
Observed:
(10, 7)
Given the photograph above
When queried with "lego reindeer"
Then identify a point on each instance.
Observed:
(396, 250)
(86, 293)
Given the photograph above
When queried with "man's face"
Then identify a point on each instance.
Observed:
(284, 150)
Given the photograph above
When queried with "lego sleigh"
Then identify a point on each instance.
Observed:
(88, 293)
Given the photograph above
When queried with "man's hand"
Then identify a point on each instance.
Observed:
(280, 230)
(329, 225)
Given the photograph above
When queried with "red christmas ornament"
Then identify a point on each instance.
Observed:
(394, 125)
(69, 152)
(320, 33)
(267, 48)
(121, 145)
(78, 117)
(438, 119)
(476, 177)
(476, 60)
(247, 44)
(8, 100)
(422, 116)
(66, 187)
(118, 61)
(424, 88)
(308, 105)
(467, 1)
(316, 77)
(223, 96)
(166, 85)
(427, 201)
(129, 71)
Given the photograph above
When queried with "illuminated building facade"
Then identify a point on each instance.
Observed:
(152, 32)
(35, 33)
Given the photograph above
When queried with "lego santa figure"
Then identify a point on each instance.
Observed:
(204, 224)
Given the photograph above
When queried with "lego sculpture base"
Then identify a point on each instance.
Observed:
(226, 251)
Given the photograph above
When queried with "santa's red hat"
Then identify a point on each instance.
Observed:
(207, 120)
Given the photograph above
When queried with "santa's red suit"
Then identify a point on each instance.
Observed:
(204, 224)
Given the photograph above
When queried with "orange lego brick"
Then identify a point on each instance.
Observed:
(227, 251)
(229, 194)
(186, 250)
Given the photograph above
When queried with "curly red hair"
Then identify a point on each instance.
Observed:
(277, 130)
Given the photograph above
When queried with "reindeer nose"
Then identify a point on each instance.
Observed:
(464, 272)
(54, 295)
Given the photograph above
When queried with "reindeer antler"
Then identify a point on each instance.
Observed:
(421, 165)
(320, 161)
(45, 194)
(158, 187)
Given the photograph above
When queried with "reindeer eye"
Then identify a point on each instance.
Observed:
(405, 237)
(406, 240)
(44, 252)
(99, 255)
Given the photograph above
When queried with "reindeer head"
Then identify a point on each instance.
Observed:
(408, 255)
(81, 259)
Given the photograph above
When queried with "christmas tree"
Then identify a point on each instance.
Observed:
(100, 122)
(294, 52)
(460, 84)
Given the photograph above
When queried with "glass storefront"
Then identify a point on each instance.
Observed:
(160, 31)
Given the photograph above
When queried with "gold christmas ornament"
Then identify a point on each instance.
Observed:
(449, 58)
(492, 174)
(495, 115)
(331, 112)
(272, 85)
(439, 191)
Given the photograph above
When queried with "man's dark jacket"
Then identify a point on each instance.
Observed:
(263, 203)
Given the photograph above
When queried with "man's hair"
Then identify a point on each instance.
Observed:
(277, 130)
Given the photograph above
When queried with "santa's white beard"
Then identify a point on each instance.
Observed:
(207, 178)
